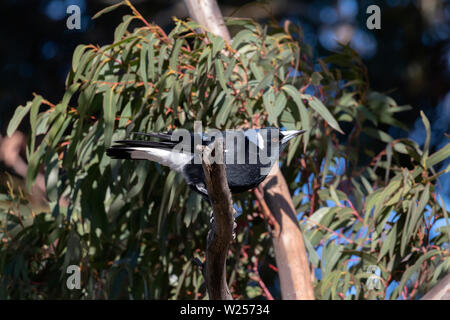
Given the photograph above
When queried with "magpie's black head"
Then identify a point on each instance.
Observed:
(270, 142)
(279, 137)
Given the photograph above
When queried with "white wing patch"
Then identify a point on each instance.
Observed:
(255, 137)
(173, 159)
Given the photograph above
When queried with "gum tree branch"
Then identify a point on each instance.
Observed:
(441, 291)
(289, 247)
(207, 13)
(221, 234)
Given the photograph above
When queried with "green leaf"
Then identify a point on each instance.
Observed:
(411, 270)
(253, 291)
(221, 75)
(162, 58)
(33, 118)
(33, 165)
(388, 243)
(304, 116)
(218, 44)
(320, 108)
(109, 114)
(401, 148)
(51, 175)
(447, 224)
(387, 193)
(405, 233)
(426, 146)
(151, 56)
(292, 149)
(331, 255)
(174, 56)
(122, 28)
(241, 37)
(81, 65)
(418, 211)
(312, 254)
(316, 77)
(224, 112)
(438, 156)
(367, 114)
(347, 100)
(265, 82)
(19, 113)
(378, 134)
(270, 105)
(389, 161)
(79, 50)
(143, 69)
(108, 9)
(280, 103)
(317, 216)
(164, 207)
(193, 207)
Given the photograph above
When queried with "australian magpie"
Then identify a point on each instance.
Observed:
(249, 154)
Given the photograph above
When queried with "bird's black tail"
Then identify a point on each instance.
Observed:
(136, 149)
(119, 152)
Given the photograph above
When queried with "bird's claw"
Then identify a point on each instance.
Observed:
(213, 224)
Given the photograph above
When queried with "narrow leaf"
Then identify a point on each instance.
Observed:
(108, 9)
(320, 108)
(109, 114)
(20, 112)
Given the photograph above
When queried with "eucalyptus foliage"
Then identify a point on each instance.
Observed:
(134, 227)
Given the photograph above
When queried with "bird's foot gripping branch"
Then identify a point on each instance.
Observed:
(213, 223)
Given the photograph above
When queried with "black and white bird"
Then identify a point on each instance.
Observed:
(249, 154)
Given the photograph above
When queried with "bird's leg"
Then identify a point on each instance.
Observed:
(213, 223)
(234, 223)
(200, 264)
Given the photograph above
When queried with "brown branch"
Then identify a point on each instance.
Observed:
(220, 236)
(441, 291)
(259, 193)
(261, 283)
(207, 14)
(10, 148)
(290, 252)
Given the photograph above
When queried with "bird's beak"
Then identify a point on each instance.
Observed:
(290, 134)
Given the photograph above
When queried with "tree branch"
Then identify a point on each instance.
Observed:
(10, 148)
(290, 252)
(207, 14)
(220, 236)
(441, 291)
